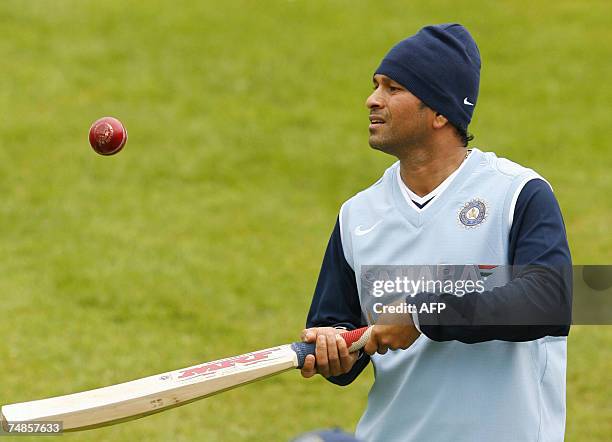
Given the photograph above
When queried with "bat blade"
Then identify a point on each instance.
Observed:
(142, 397)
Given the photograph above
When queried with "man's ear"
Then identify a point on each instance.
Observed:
(439, 121)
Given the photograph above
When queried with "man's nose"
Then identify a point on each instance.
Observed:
(374, 101)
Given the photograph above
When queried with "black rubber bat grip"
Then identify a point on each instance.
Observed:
(302, 349)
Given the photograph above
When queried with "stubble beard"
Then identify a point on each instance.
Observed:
(397, 146)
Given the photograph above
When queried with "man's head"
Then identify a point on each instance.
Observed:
(425, 86)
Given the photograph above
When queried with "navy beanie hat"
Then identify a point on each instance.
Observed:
(440, 65)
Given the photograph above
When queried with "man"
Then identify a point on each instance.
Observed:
(445, 377)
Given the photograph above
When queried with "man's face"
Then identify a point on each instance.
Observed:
(398, 119)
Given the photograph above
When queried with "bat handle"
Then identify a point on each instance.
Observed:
(355, 340)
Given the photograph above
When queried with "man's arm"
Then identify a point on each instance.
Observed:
(336, 304)
(541, 289)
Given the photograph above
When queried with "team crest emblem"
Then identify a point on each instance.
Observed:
(473, 213)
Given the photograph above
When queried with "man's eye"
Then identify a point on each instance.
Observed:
(394, 89)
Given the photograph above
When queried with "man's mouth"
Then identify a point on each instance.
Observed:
(376, 121)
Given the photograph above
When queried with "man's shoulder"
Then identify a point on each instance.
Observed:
(505, 167)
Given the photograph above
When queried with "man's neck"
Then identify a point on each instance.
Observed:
(422, 170)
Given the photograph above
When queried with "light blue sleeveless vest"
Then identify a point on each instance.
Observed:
(449, 391)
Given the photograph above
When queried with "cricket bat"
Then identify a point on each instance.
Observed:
(142, 397)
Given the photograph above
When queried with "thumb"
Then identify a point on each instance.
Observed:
(309, 335)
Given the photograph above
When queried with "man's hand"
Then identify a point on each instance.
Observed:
(391, 337)
(332, 356)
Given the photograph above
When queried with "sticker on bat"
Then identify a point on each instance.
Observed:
(211, 368)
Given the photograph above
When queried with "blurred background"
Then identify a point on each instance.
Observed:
(247, 129)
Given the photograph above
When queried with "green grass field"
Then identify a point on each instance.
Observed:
(248, 129)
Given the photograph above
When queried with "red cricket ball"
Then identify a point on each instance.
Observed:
(107, 136)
